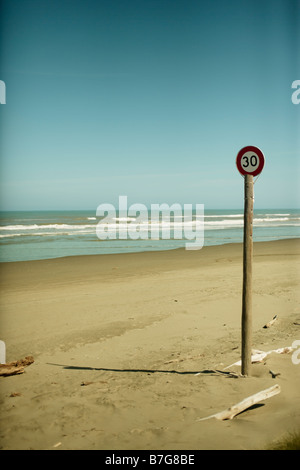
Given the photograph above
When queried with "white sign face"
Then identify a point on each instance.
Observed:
(250, 161)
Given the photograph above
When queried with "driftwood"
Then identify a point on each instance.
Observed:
(271, 322)
(246, 403)
(259, 356)
(274, 374)
(15, 367)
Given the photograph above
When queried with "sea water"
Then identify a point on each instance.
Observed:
(39, 235)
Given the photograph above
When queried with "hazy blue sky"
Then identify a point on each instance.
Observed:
(149, 99)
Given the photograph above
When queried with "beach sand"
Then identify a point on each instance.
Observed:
(117, 341)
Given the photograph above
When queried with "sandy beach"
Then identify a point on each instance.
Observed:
(117, 342)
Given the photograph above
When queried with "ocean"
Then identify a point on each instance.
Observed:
(35, 235)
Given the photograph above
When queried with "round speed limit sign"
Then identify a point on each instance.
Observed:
(250, 161)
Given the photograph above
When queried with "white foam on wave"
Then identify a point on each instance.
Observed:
(46, 226)
(274, 215)
(19, 227)
(219, 223)
(271, 219)
(11, 235)
(124, 219)
(222, 216)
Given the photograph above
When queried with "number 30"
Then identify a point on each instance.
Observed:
(253, 161)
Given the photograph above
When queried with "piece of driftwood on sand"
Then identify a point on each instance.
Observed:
(15, 367)
(259, 356)
(271, 322)
(245, 404)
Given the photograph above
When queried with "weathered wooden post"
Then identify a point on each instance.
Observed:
(250, 162)
(247, 276)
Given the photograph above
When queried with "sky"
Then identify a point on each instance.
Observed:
(151, 99)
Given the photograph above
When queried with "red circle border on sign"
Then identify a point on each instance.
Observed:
(250, 148)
